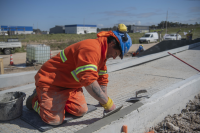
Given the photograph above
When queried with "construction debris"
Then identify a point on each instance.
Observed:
(187, 121)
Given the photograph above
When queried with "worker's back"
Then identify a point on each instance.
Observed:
(63, 69)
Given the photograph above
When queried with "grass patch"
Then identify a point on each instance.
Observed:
(61, 41)
(20, 50)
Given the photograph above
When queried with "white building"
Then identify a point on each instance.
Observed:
(12, 30)
(80, 29)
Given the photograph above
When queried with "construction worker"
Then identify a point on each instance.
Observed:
(60, 80)
(140, 49)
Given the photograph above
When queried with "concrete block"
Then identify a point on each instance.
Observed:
(8, 80)
(166, 102)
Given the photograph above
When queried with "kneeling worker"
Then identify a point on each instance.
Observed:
(60, 80)
(140, 49)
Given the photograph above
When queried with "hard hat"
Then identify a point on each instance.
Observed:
(122, 28)
(124, 39)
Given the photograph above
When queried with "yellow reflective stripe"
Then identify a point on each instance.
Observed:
(62, 56)
(35, 106)
(38, 110)
(102, 72)
(74, 75)
(86, 67)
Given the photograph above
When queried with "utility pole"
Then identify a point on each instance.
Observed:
(177, 34)
(166, 22)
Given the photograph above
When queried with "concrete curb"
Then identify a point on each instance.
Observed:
(15, 79)
(21, 88)
(166, 102)
(7, 80)
(169, 101)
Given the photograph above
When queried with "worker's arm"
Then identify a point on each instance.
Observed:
(95, 91)
(104, 89)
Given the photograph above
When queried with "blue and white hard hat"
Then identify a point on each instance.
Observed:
(124, 40)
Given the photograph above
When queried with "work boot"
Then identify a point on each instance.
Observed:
(29, 100)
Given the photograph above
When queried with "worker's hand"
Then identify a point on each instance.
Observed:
(112, 108)
(109, 106)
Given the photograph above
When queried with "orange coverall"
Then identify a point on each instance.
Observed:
(59, 80)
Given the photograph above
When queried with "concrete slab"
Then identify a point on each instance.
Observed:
(155, 76)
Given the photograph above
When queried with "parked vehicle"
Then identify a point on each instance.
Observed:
(173, 37)
(6, 47)
(149, 37)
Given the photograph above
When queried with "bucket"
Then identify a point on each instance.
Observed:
(11, 105)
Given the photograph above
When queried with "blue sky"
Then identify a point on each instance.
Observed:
(45, 14)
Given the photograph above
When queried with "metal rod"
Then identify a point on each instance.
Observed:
(184, 62)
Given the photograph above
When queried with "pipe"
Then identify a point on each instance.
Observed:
(184, 62)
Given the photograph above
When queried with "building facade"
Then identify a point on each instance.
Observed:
(13, 30)
(80, 29)
(137, 29)
(57, 29)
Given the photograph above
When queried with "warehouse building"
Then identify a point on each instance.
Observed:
(137, 29)
(57, 29)
(80, 29)
(13, 30)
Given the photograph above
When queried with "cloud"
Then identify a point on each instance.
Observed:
(194, 9)
(132, 8)
(100, 25)
(118, 13)
(191, 20)
(138, 23)
(145, 15)
(125, 21)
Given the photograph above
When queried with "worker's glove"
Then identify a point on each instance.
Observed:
(109, 106)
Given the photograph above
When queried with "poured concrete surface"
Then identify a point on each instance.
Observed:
(155, 76)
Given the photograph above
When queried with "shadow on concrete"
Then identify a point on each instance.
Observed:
(167, 45)
(85, 122)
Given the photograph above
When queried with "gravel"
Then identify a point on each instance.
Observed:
(188, 121)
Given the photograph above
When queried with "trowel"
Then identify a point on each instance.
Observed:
(105, 113)
(137, 98)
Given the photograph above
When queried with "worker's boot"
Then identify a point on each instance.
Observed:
(29, 100)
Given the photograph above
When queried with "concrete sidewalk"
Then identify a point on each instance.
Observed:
(155, 76)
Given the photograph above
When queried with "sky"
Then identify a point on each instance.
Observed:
(46, 14)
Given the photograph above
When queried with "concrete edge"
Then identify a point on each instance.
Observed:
(169, 101)
(107, 120)
(7, 80)
(21, 88)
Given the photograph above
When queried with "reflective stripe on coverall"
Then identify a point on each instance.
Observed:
(59, 80)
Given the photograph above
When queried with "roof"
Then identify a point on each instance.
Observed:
(16, 28)
(80, 25)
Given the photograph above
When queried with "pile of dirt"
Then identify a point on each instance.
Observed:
(188, 121)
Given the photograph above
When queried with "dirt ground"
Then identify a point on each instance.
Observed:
(188, 121)
(19, 60)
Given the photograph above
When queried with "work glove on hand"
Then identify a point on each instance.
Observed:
(109, 106)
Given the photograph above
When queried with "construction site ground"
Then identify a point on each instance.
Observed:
(153, 76)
